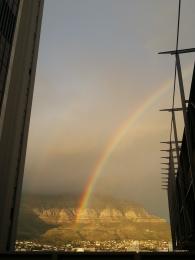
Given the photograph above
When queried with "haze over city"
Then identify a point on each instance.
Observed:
(98, 67)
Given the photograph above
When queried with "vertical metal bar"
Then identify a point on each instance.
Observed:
(177, 155)
(181, 184)
(187, 129)
(179, 229)
(175, 135)
(173, 200)
(179, 165)
(171, 215)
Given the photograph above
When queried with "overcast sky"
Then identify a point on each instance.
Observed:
(97, 64)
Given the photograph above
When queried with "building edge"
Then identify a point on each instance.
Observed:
(15, 116)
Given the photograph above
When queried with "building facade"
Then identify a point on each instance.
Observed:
(20, 23)
(181, 185)
(180, 172)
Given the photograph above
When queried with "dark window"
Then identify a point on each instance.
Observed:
(7, 19)
(8, 16)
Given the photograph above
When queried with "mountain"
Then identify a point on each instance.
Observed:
(52, 219)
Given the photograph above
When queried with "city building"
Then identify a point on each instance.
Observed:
(180, 180)
(20, 23)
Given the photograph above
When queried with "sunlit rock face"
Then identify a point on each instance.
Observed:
(130, 214)
(53, 215)
(59, 219)
(66, 215)
(87, 215)
(110, 214)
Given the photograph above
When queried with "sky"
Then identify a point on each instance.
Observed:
(97, 68)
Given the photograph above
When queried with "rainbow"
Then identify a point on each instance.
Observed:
(114, 141)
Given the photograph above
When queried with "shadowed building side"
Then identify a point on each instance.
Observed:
(20, 23)
(185, 180)
(181, 166)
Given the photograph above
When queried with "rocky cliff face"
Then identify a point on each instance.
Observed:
(104, 219)
(59, 216)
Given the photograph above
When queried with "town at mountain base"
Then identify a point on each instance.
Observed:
(52, 219)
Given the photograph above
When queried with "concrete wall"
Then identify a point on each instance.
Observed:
(15, 116)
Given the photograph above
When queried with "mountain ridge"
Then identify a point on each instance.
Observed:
(104, 218)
